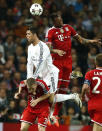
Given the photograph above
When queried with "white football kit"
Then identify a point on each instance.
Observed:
(39, 57)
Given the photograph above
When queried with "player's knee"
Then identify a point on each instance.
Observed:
(41, 128)
(23, 128)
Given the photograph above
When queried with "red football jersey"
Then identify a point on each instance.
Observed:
(61, 39)
(94, 79)
(41, 90)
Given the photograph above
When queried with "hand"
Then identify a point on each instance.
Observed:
(97, 41)
(34, 102)
(60, 52)
(17, 95)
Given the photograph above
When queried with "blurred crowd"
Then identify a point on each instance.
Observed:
(84, 15)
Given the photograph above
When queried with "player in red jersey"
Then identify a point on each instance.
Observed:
(58, 39)
(93, 85)
(38, 106)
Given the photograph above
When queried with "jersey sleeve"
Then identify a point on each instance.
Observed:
(87, 79)
(73, 32)
(44, 86)
(29, 65)
(48, 36)
(22, 84)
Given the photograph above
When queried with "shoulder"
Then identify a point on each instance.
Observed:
(50, 30)
(42, 84)
(44, 45)
(69, 26)
(89, 73)
(30, 47)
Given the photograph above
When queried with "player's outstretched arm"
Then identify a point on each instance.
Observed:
(41, 98)
(82, 40)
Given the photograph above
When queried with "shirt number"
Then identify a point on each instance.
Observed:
(97, 85)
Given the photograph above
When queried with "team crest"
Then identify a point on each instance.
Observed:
(66, 28)
(61, 30)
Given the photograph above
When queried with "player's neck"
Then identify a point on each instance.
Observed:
(58, 26)
(36, 41)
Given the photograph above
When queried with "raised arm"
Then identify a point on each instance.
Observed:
(82, 40)
(21, 85)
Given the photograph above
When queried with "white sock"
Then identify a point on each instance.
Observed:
(63, 97)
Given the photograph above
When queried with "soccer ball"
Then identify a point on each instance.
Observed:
(36, 9)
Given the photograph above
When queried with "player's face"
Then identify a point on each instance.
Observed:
(58, 22)
(29, 36)
(32, 89)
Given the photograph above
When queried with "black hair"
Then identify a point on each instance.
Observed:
(33, 30)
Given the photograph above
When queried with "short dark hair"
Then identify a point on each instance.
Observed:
(33, 30)
(99, 60)
(31, 81)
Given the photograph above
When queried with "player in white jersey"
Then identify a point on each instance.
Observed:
(40, 65)
(40, 58)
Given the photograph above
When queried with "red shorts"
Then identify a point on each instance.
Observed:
(95, 111)
(65, 70)
(96, 116)
(30, 117)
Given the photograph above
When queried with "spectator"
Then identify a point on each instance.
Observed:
(22, 70)
(9, 46)
(15, 81)
(22, 105)
(3, 98)
(9, 116)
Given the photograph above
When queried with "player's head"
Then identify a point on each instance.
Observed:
(31, 85)
(57, 20)
(98, 60)
(31, 34)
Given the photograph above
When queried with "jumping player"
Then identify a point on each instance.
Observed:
(58, 39)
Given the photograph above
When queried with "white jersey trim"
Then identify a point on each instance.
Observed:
(75, 34)
(64, 80)
(26, 122)
(96, 122)
(99, 68)
(48, 31)
(42, 125)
